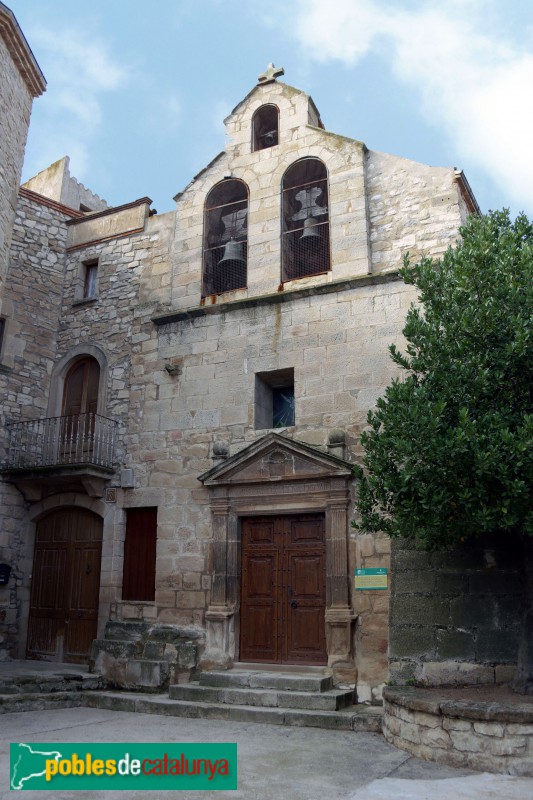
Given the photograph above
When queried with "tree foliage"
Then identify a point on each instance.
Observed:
(449, 455)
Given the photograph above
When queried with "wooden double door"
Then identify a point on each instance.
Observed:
(283, 590)
(65, 586)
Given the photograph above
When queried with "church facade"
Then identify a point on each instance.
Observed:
(184, 397)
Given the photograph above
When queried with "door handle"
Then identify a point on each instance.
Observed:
(294, 604)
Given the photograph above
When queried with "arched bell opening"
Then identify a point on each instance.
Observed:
(225, 238)
(305, 220)
(265, 127)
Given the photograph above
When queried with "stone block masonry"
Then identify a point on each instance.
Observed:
(22, 80)
(455, 614)
(481, 733)
(179, 376)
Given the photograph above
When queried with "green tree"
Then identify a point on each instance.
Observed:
(449, 452)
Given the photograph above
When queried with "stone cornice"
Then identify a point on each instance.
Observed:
(20, 52)
(142, 201)
(279, 297)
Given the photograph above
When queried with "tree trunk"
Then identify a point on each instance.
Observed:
(523, 682)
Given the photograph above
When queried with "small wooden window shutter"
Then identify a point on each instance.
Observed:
(138, 580)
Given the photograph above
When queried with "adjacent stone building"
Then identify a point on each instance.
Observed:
(22, 81)
(185, 394)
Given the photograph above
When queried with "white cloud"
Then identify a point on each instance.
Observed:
(79, 69)
(473, 83)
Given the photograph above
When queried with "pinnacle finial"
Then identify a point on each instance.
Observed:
(270, 74)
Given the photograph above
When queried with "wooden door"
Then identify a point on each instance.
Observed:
(65, 586)
(80, 394)
(283, 596)
(80, 404)
(140, 548)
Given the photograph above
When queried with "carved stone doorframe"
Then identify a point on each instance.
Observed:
(271, 477)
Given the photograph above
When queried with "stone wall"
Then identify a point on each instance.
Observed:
(120, 326)
(178, 371)
(474, 733)
(455, 615)
(15, 109)
(413, 208)
(37, 261)
(372, 609)
(336, 343)
(57, 183)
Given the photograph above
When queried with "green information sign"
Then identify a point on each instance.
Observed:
(371, 578)
(129, 766)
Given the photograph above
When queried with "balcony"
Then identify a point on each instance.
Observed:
(60, 453)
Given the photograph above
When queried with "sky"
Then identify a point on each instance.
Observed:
(137, 92)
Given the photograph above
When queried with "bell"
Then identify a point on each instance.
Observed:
(311, 231)
(233, 254)
(269, 138)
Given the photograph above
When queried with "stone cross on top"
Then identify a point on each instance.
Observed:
(270, 74)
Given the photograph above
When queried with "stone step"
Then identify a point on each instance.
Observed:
(147, 674)
(307, 669)
(330, 700)
(123, 649)
(254, 679)
(40, 701)
(49, 683)
(125, 631)
(355, 717)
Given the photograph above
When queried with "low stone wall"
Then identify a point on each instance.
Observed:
(479, 733)
(145, 657)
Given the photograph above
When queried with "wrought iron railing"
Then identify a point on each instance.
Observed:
(61, 441)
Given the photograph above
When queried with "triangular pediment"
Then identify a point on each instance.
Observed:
(276, 458)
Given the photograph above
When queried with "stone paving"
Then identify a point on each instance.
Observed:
(274, 762)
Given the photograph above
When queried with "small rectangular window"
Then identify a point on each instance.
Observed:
(282, 406)
(138, 578)
(89, 279)
(274, 399)
(2, 333)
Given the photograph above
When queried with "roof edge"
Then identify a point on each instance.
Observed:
(142, 201)
(46, 201)
(21, 52)
(466, 191)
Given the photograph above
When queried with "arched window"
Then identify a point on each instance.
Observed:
(81, 433)
(265, 127)
(225, 237)
(80, 392)
(305, 220)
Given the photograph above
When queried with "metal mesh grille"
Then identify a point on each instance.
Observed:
(225, 238)
(306, 249)
(223, 274)
(306, 253)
